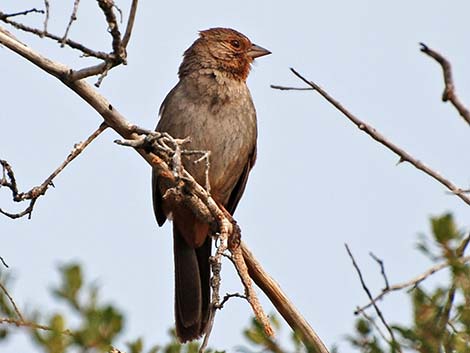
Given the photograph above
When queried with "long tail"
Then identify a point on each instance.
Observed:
(192, 287)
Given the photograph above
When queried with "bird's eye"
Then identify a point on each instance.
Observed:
(235, 43)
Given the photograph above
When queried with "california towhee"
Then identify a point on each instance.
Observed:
(212, 105)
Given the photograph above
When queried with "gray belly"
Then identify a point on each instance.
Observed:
(225, 127)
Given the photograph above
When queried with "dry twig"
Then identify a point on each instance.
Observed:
(46, 18)
(410, 283)
(12, 302)
(73, 17)
(169, 149)
(118, 55)
(72, 44)
(119, 51)
(382, 268)
(8, 179)
(449, 94)
(22, 13)
(130, 23)
(377, 310)
(128, 131)
(372, 132)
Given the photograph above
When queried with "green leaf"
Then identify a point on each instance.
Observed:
(444, 228)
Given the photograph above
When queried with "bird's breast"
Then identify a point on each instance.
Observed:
(219, 116)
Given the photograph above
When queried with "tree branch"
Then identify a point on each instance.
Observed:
(130, 23)
(282, 303)
(118, 123)
(449, 93)
(394, 342)
(410, 283)
(372, 132)
(9, 180)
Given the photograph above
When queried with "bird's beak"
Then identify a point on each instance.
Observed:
(256, 51)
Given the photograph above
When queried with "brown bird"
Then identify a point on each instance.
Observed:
(212, 105)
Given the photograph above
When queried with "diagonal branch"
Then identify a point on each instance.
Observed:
(22, 13)
(130, 23)
(117, 122)
(9, 180)
(107, 6)
(449, 94)
(410, 283)
(73, 17)
(72, 44)
(372, 132)
(377, 310)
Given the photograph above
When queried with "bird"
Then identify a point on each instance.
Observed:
(212, 105)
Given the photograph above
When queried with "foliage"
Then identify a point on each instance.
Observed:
(99, 324)
(441, 316)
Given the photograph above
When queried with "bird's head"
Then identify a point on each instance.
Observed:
(224, 50)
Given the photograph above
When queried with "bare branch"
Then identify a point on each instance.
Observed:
(285, 88)
(8, 180)
(282, 303)
(128, 131)
(3, 262)
(229, 296)
(130, 23)
(382, 268)
(33, 325)
(21, 13)
(410, 283)
(72, 44)
(228, 230)
(372, 132)
(12, 302)
(73, 17)
(366, 289)
(119, 50)
(46, 18)
(376, 327)
(242, 269)
(449, 90)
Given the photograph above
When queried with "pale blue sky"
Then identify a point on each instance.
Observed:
(319, 182)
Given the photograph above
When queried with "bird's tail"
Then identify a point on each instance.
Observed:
(192, 287)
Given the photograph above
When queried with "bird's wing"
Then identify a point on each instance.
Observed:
(239, 188)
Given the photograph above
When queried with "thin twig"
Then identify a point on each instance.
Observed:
(108, 66)
(21, 13)
(9, 180)
(72, 44)
(229, 296)
(372, 132)
(449, 90)
(382, 268)
(3, 262)
(282, 303)
(73, 17)
(285, 88)
(46, 18)
(366, 289)
(242, 270)
(15, 307)
(88, 71)
(444, 315)
(373, 323)
(410, 283)
(463, 245)
(119, 50)
(130, 23)
(32, 325)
